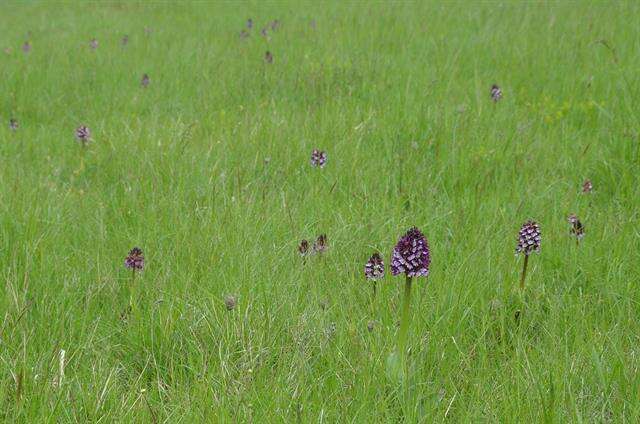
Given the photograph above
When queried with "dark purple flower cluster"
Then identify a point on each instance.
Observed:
(496, 93)
(135, 259)
(374, 268)
(529, 238)
(26, 47)
(318, 158)
(411, 255)
(83, 134)
(303, 248)
(145, 80)
(577, 229)
(268, 57)
(13, 124)
(93, 43)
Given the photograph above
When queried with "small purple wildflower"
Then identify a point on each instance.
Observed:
(13, 124)
(374, 268)
(83, 134)
(135, 259)
(587, 186)
(93, 43)
(263, 32)
(303, 248)
(411, 255)
(249, 23)
(320, 245)
(496, 93)
(275, 24)
(26, 47)
(528, 238)
(318, 158)
(125, 40)
(577, 229)
(268, 57)
(145, 80)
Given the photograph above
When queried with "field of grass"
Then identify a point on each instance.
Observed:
(207, 169)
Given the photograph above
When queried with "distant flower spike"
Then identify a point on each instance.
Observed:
(411, 255)
(496, 93)
(13, 124)
(94, 44)
(587, 186)
(26, 47)
(145, 80)
(134, 260)
(577, 229)
(249, 23)
(83, 134)
(230, 302)
(374, 268)
(318, 158)
(268, 57)
(303, 248)
(125, 40)
(320, 245)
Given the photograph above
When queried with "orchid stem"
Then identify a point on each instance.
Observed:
(524, 271)
(404, 323)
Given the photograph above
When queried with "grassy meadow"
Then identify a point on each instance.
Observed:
(207, 170)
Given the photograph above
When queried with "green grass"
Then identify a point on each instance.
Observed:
(398, 95)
